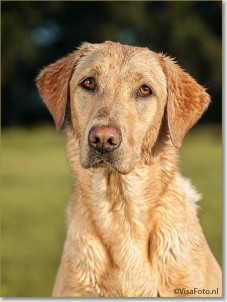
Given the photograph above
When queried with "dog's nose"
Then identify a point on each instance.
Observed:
(104, 138)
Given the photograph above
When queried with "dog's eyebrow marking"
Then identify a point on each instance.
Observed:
(138, 77)
(98, 69)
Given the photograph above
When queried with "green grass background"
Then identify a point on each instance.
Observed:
(36, 184)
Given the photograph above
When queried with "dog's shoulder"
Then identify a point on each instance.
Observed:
(187, 188)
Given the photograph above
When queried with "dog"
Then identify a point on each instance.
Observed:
(132, 226)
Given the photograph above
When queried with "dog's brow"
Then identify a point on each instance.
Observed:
(97, 69)
(138, 77)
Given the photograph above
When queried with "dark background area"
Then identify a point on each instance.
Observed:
(35, 34)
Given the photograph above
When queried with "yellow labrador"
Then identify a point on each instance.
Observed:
(132, 219)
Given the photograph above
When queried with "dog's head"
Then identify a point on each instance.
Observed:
(118, 95)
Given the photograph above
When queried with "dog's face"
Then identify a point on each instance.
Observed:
(118, 95)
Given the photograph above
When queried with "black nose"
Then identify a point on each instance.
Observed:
(104, 138)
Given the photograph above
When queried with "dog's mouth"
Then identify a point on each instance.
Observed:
(98, 159)
(108, 160)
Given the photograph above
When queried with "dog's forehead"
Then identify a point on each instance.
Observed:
(117, 58)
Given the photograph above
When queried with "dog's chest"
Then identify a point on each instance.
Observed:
(123, 238)
(119, 271)
(119, 263)
(137, 282)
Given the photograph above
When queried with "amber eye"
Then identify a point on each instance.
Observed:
(88, 83)
(144, 91)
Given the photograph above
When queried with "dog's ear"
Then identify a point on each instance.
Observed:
(186, 100)
(53, 83)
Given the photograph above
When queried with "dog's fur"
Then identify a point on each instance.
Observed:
(133, 229)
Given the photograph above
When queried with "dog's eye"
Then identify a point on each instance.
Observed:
(88, 83)
(144, 91)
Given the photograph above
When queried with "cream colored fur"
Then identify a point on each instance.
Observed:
(132, 219)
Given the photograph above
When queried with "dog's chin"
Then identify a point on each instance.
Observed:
(108, 164)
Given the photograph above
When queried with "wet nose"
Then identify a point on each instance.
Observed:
(104, 138)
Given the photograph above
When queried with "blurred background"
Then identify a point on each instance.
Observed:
(36, 182)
